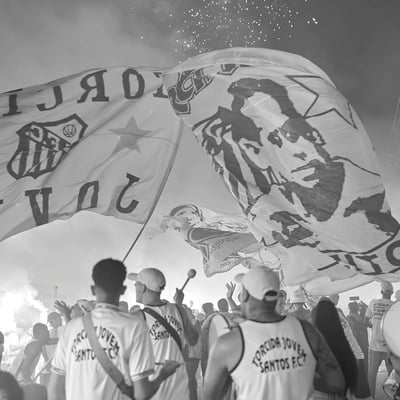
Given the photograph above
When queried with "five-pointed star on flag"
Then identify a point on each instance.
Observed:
(129, 136)
(319, 105)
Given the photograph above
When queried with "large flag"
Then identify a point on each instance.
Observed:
(102, 140)
(224, 240)
(297, 159)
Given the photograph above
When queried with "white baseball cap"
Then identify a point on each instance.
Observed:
(152, 278)
(259, 281)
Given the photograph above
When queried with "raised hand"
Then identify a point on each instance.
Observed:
(230, 289)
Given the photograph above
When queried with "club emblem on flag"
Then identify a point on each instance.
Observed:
(43, 145)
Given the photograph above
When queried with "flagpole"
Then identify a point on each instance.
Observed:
(164, 181)
(138, 236)
(391, 142)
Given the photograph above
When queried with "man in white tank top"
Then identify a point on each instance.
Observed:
(270, 356)
(150, 282)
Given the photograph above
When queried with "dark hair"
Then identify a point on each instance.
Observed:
(223, 305)
(208, 307)
(38, 328)
(192, 207)
(1, 338)
(109, 274)
(353, 306)
(52, 315)
(10, 385)
(326, 320)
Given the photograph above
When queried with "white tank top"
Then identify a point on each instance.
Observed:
(176, 387)
(277, 362)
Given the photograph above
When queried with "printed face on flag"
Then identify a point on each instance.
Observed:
(189, 213)
(295, 156)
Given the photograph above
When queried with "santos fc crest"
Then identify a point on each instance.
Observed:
(43, 145)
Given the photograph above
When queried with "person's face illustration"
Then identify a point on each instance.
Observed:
(279, 139)
(189, 215)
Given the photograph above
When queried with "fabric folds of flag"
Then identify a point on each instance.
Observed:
(224, 240)
(101, 140)
(297, 159)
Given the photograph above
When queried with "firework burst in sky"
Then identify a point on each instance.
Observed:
(203, 25)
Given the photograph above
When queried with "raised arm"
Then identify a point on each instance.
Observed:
(32, 353)
(229, 295)
(190, 331)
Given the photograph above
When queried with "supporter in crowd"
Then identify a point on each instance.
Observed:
(55, 322)
(193, 357)
(169, 326)
(9, 387)
(362, 390)
(208, 309)
(359, 328)
(216, 324)
(24, 364)
(270, 356)
(326, 319)
(76, 373)
(377, 348)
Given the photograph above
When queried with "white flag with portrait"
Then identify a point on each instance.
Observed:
(102, 140)
(297, 159)
(224, 240)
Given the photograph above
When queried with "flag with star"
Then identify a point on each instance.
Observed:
(294, 154)
(101, 140)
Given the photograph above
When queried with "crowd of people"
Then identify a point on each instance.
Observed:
(262, 346)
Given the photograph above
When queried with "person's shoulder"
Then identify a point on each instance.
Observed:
(207, 321)
(230, 340)
(133, 319)
(33, 348)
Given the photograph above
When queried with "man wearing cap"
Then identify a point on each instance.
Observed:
(77, 373)
(167, 343)
(270, 356)
(378, 351)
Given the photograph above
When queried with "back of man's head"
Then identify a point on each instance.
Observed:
(223, 305)
(109, 275)
(386, 289)
(40, 330)
(54, 319)
(208, 308)
(353, 307)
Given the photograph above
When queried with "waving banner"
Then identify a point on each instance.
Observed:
(101, 140)
(224, 240)
(297, 159)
